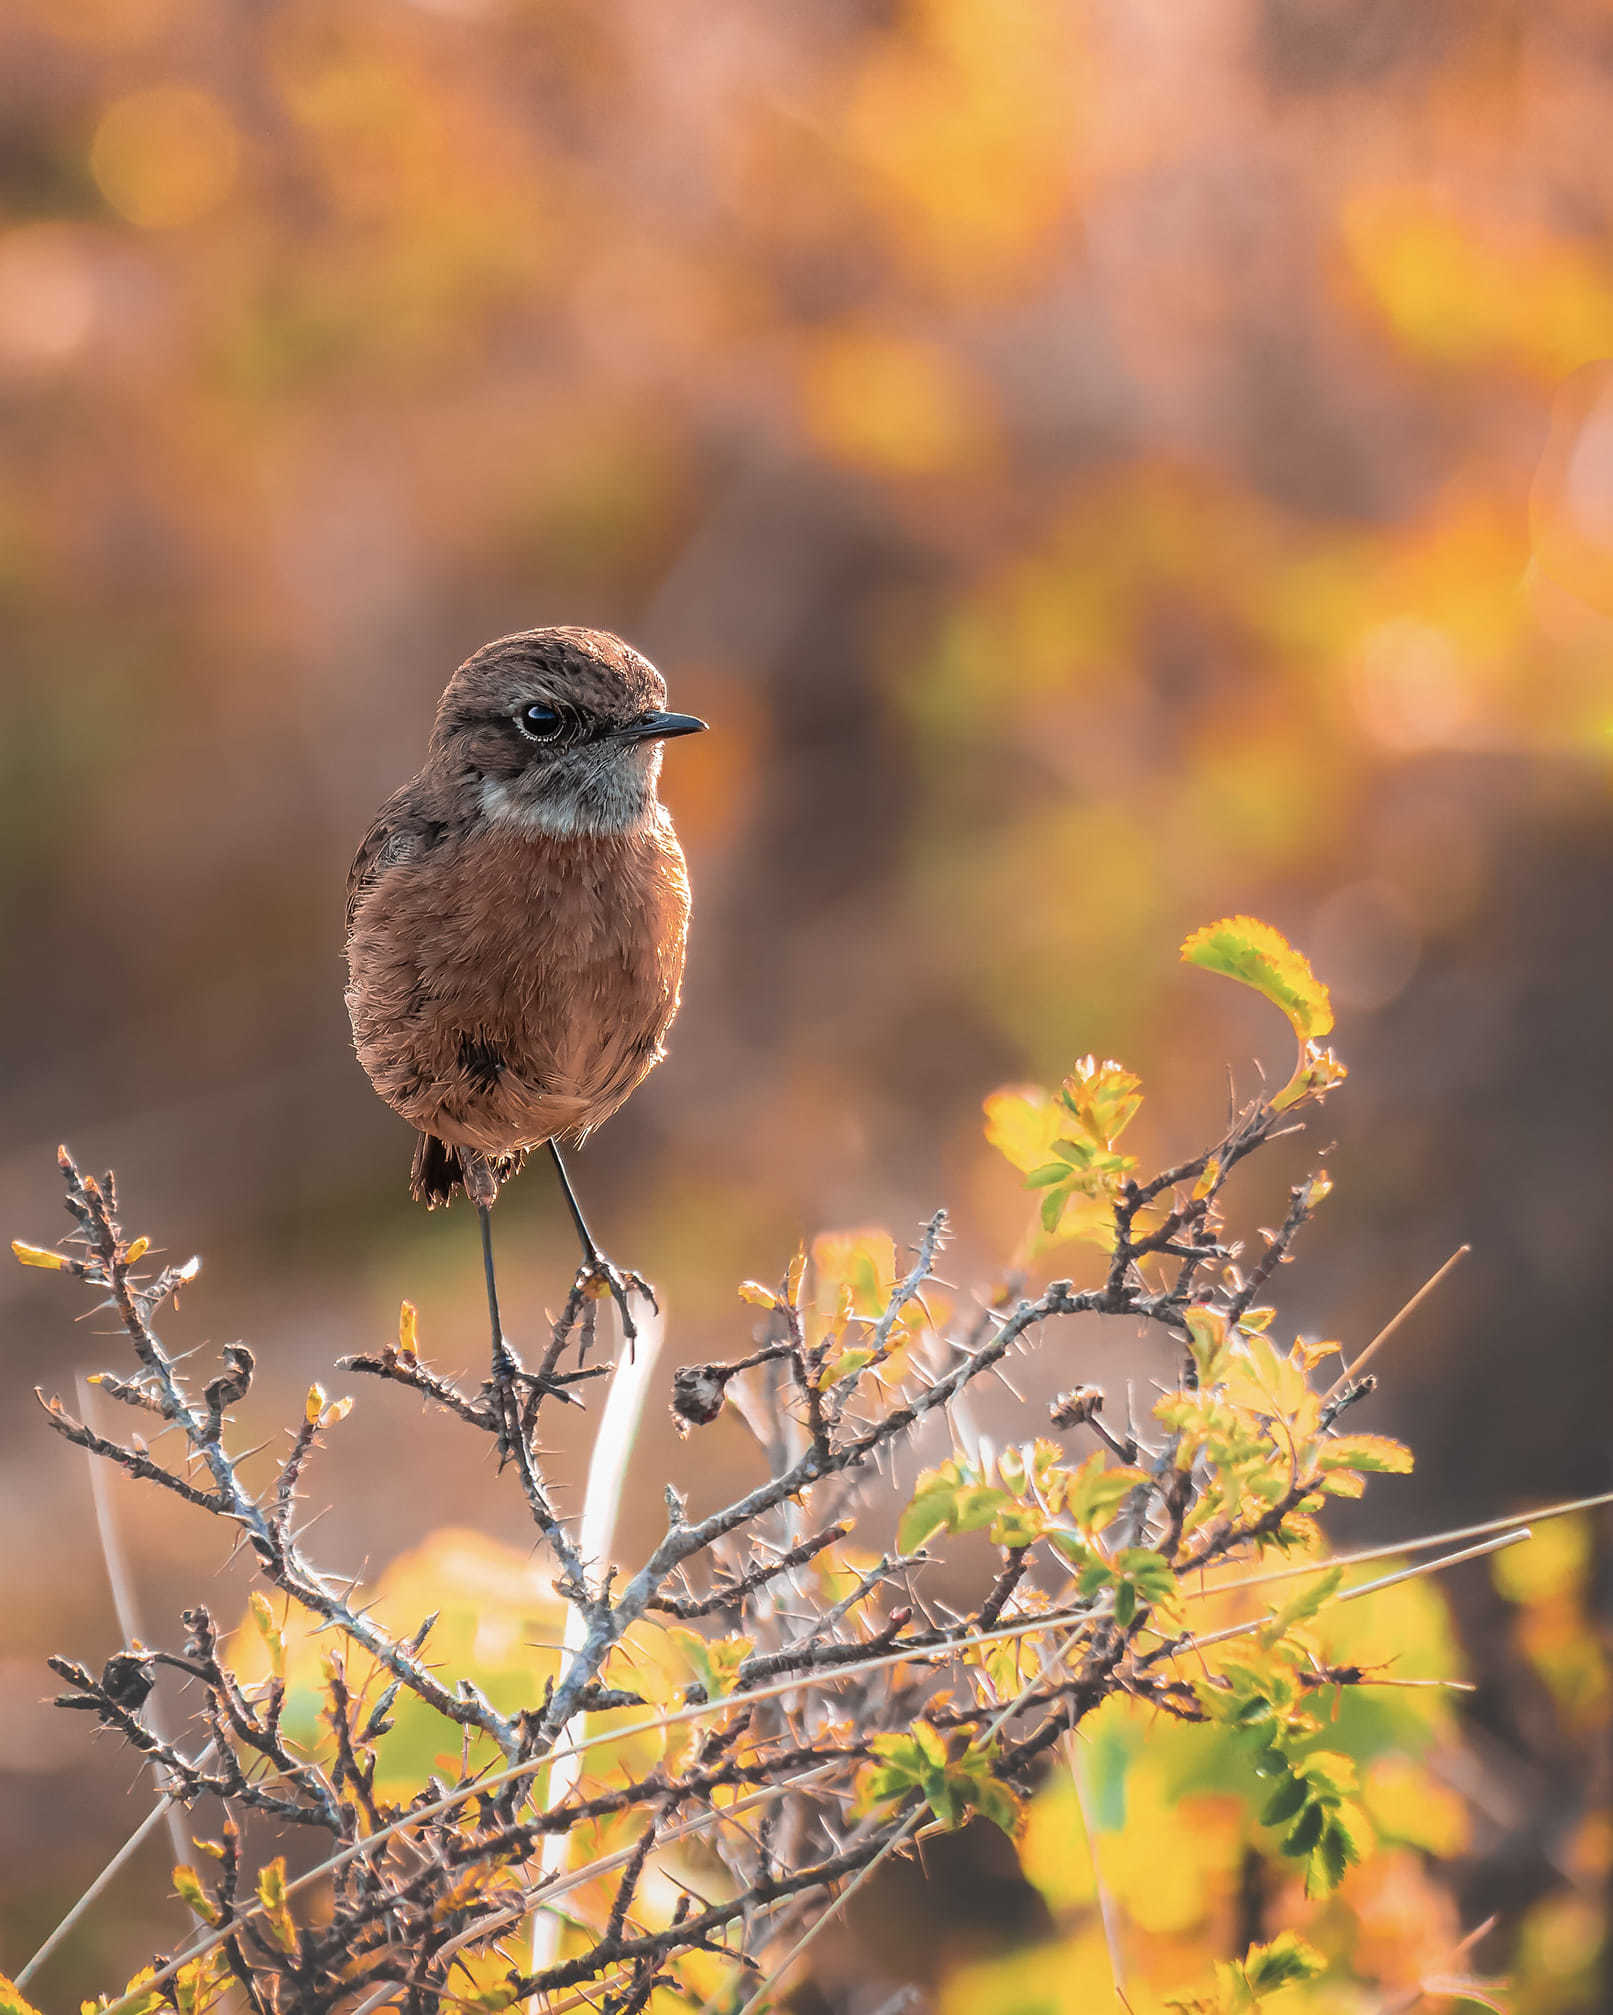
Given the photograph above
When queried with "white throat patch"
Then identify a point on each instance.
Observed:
(611, 810)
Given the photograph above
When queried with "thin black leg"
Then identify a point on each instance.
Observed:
(500, 1354)
(504, 1365)
(590, 1247)
(595, 1266)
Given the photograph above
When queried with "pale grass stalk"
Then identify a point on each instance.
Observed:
(104, 1880)
(121, 1583)
(602, 1498)
(1106, 1908)
(1496, 1545)
(1354, 1371)
(1425, 1544)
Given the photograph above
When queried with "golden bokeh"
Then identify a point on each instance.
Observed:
(165, 157)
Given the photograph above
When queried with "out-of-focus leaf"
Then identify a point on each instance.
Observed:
(38, 1255)
(1244, 948)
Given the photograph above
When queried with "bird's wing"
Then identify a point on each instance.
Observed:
(400, 832)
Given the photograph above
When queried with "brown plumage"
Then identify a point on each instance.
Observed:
(517, 913)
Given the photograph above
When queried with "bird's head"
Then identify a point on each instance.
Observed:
(557, 732)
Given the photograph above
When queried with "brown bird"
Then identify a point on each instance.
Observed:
(516, 919)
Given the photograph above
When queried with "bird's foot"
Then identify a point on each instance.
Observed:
(504, 1402)
(598, 1277)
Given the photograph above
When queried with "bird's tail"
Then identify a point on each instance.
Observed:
(437, 1174)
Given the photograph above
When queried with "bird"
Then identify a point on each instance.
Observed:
(517, 917)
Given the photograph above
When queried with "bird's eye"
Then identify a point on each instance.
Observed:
(539, 723)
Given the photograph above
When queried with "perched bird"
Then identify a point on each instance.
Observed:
(516, 918)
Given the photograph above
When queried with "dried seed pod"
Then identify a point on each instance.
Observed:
(1070, 1409)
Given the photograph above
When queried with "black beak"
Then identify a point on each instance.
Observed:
(658, 727)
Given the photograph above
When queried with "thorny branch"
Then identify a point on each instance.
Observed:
(411, 1905)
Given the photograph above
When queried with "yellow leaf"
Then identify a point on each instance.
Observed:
(793, 1279)
(273, 1637)
(714, 1663)
(1022, 1122)
(1556, 1562)
(36, 1255)
(1208, 1329)
(338, 1409)
(137, 1251)
(757, 1295)
(188, 1888)
(12, 2000)
(132, 2001)
(1407, 1803)
(408, 1329)
(843, 1366)
(1317, 1072)
(314, 1405)
(1104, 1097)
(1245, 949)
(272, 1896)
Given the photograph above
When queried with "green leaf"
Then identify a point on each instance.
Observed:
(1053, 1208)
(1245, 949)
(1096, 1491)
(1340, 1848)
(1369, 1454)
(1307, 1832)
(1285, 1802)
(1151, 1571)
(927, 1513)
(844, 1366)
(1077, 1553)
(1049, 1172)
(1284, 1962)
(932, 1750)
(998, 1804)
(1016, 1525)
(954, 1498)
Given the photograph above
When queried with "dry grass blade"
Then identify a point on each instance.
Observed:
(1407, 1309)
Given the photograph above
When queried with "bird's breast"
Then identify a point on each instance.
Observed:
(515, 987)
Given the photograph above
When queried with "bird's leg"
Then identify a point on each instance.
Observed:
(482, 1188)
(595, 1266)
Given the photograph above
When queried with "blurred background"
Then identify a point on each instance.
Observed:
(1099, 465)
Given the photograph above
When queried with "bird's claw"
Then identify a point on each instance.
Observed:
(505, 1404)
(598, 1276)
